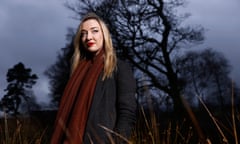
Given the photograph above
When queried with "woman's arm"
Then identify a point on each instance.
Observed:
(126, 101)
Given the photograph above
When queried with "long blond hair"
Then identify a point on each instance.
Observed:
(110, 58)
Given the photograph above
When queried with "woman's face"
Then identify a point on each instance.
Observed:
(92, 36)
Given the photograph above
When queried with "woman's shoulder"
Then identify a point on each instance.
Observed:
(124, 69)
(124, 76)
(121, 64)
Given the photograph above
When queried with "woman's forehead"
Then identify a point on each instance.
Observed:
(90, 23)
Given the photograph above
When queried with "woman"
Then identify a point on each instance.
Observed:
(99, 97)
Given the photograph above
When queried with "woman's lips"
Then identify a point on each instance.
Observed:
(90, 44)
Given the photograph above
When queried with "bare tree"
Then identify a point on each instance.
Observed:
(59, 73)
(150, 35)
(206, 74)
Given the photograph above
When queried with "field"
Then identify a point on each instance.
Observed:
(151, 128)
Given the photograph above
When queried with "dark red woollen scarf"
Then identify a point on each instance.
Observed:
(76, 101)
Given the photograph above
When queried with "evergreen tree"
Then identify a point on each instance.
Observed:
(20, 81)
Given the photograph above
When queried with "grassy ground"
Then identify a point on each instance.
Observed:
(151, 128)
(165, 128)
(35, 129)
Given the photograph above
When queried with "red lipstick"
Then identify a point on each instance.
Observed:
(90, 44)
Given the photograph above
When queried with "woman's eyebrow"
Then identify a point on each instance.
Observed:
(94, 27)
(90, 28)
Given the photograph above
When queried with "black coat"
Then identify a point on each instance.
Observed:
(113, 106)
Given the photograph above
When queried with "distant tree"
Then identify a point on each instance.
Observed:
(206, 74)
(59, 72)
(20, 81)
(150, 35)
(31, 103)
(236, 95)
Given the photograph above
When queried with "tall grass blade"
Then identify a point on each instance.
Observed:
(6, 128)
(233, 116)
(115, 133)
(213, 118)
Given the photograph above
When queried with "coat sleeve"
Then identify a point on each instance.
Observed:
(126, 101)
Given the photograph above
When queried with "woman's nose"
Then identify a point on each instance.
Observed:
(89, 36)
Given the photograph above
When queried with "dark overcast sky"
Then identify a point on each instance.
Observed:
(32, 31)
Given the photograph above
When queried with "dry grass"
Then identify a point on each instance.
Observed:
(20, 130)
(148, 130)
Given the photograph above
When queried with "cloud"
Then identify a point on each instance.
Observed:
(32, 31)
(219, 18)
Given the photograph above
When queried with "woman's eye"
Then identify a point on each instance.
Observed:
(94, 31)
(83, 34)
